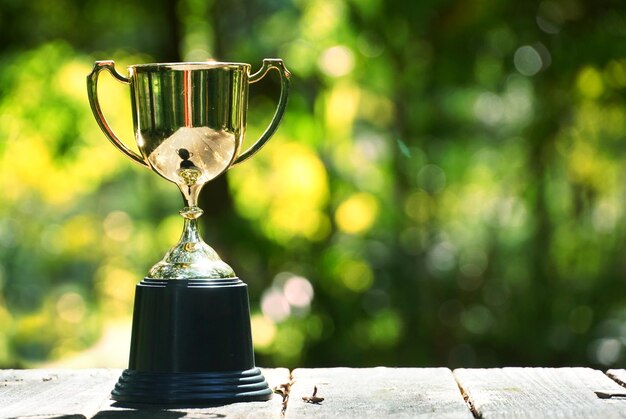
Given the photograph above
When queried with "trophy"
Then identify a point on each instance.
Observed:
(191, 341)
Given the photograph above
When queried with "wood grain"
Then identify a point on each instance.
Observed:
(376, 393)
(85, 394)
(540, 392)
(347, 393)
(46, 393)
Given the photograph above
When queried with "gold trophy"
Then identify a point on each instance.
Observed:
(191, 341)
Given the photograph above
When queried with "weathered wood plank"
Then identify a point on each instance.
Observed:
(269, 409)
(85, 394)
(50, 392)
(540, 392)
(376, 392)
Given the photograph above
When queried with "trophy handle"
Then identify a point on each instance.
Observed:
(268, 64)
(92, 91)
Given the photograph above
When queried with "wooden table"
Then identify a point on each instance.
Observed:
(347, 392)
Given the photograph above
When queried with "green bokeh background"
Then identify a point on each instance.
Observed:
(446, 188)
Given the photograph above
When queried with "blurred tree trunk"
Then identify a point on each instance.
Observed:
(171, 50)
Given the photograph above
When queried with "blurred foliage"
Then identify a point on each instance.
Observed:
(446, 188)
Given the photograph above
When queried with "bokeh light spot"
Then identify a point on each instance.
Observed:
(357, 213)
(615, 73)
(489, 108)
(527, 60)
(341, 108)
(356, 275)
(336, 61)
(442, 257)
(605, 216)
(419, 206)
(590, 83)
(298, 291)
(274, 305)
(550, 17)
(263, 331)
(385, 329)
(71, 307)
(606, 351)
(477, 319)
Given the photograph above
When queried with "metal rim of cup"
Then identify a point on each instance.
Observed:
(206, 65)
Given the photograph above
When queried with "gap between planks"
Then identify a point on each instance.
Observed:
(375, 392)
(541, 392)
(284, 389)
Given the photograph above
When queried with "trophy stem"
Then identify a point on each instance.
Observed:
(190, 227)
(191, 213)
(190, 234)
(191, 257)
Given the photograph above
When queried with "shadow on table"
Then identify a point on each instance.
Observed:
(152, 412)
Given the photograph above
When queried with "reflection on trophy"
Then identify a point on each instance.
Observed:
(191, 342)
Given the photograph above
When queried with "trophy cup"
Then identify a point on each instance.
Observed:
(191, 341)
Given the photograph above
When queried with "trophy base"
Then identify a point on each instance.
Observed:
(191, 344)
(138, 388)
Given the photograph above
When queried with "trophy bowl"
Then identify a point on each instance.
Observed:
(191, 341)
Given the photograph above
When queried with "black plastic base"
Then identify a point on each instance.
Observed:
(191, 344)
(191, 389)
